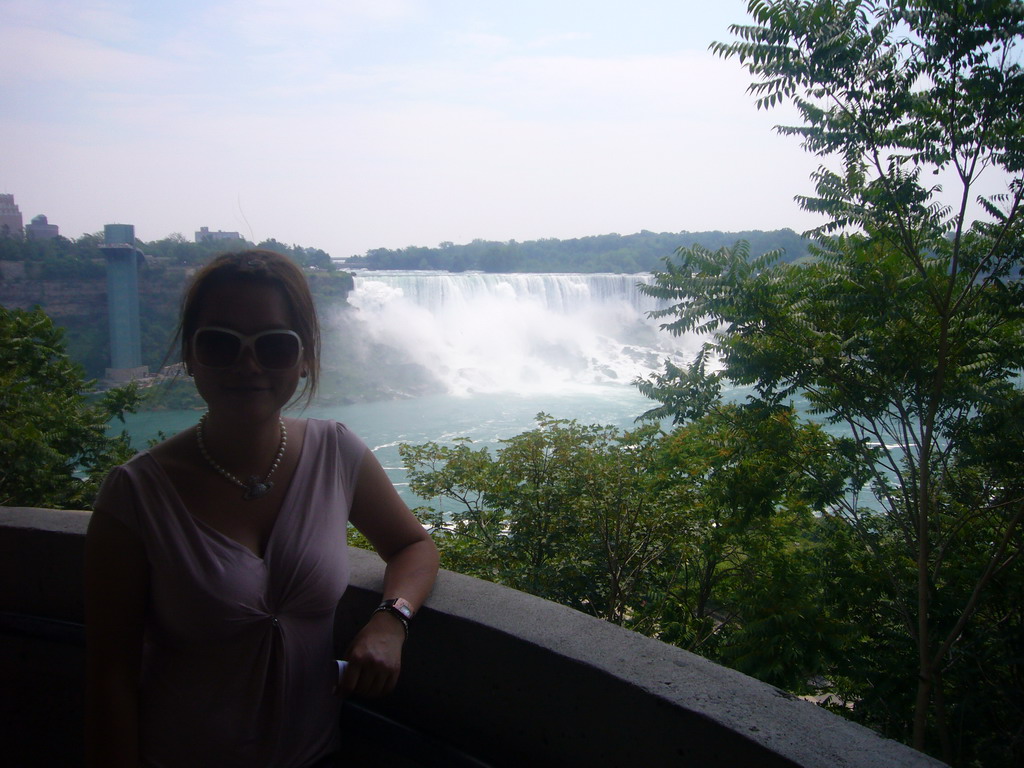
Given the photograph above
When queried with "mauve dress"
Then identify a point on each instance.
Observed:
(238, 663)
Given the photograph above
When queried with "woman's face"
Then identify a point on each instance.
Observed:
(245, 390)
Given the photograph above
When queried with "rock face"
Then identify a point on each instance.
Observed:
(160, 290)
(75, 298)
(79, 305)
(58, 298)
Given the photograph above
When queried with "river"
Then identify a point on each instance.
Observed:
(484, 418)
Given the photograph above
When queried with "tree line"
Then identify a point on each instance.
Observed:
(61, 258)
(624, 254)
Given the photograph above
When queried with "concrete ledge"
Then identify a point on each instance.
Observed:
(41, 560)
(503, 676)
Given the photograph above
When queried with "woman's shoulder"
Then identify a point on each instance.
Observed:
(336, 433)
(329, 428)
(172, 452)
(121, 493)
(138, 464)
(326, 426)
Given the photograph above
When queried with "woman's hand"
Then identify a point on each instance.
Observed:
(374, 658)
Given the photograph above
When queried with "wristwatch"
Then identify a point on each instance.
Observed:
(399, 608)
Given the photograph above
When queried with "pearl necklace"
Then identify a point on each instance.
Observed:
(255, 488)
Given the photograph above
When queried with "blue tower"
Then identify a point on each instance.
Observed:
(123, 302)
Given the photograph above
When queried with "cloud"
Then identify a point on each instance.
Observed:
(560, 88)
(109, 20)
(57, 58)
(286, 24)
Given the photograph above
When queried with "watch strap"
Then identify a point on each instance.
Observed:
(400, 609)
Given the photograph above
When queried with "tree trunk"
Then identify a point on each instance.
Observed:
(941, 720)
(924, 672)
(924, 677)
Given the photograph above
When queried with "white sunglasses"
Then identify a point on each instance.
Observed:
(277, 350)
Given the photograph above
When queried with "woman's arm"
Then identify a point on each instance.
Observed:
(379, 513)
(116, 589)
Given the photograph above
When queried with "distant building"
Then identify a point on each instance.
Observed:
(10, 217)
(41, 229)
(204, 235)
(123, 302)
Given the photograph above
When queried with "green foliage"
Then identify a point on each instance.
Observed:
(59, 258)
(178, 250)
(905, 331)
(564, 511)
(310, 258)
(704, 538)
(684, 394)
(897, 91)
(933, 406)
(746, 483)
(56, 258)
(624, 254)
(54, 449)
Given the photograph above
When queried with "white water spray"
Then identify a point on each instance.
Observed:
(523, 333)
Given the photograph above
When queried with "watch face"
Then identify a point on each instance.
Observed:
(403, 607)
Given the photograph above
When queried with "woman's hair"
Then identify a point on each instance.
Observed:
(259, 267)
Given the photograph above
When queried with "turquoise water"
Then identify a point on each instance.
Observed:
(487, 419)
(484, 418)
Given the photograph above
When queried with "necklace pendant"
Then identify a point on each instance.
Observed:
(254, 488)
(257, 488)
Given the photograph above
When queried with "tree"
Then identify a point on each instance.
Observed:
(565, 511)
(54, 448)
(703, 538)
(745, 483)
(906, 329)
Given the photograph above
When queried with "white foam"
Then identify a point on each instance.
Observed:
(524, 333)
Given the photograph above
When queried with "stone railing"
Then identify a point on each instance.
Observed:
(492, 677)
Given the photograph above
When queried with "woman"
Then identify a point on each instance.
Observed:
(215, 560)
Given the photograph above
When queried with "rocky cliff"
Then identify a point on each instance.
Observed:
(65, 299)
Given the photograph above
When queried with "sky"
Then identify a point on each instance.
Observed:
(349, 125)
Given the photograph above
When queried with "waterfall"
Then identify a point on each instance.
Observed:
(524, 333)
